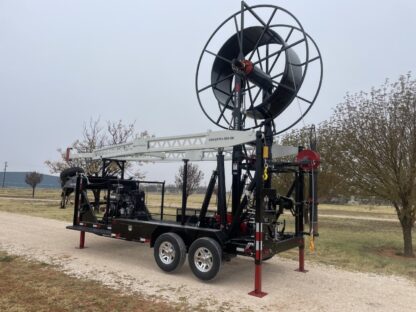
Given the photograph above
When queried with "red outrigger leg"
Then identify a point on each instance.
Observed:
(302, 258)
(81, 239)
(257, 292)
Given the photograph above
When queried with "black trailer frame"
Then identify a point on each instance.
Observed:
(229, 230)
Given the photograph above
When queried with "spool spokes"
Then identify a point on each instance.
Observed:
(258, 72)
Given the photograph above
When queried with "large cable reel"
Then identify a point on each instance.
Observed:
(255, 74)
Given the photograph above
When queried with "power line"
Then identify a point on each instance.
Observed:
(4, 173)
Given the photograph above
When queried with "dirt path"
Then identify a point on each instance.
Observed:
(130, 266)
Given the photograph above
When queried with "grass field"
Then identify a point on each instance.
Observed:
(27, 193)
(361, 245)
(358, 245)
(27, 286)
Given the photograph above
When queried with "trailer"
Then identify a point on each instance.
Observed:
(254, 223)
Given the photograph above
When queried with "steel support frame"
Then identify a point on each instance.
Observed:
(257, 292)
(313, 201)
(222, 192)
(299, 210)
(106, 164)
(238, 149)
(75, 221)
(207, 198)
(184, 190)
(162, 201)
(78, 185)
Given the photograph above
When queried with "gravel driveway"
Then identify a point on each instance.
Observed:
(130, 267)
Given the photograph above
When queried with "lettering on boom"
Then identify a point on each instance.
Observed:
(221, 139)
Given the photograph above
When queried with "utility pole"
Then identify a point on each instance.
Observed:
(4, 173)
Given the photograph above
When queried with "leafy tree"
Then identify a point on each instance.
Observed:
(33, 179)
(376, 137)
(194, 178)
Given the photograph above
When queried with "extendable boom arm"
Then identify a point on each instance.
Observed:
(194, 147)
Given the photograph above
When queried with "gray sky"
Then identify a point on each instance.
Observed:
(62, 62)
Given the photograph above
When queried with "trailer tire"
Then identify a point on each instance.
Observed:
(205, 258)
(68, 173)
(170, 252)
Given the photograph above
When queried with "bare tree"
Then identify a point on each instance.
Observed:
(94, 137)
(376, 135)
(33, 179)
(194, 178)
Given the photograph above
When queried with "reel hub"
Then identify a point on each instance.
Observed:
(308, 160)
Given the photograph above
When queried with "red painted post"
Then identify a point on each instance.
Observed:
(81, 240)
(302, 258)
(257, 292)
(260, 169)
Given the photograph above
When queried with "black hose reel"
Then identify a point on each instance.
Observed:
(259, 71)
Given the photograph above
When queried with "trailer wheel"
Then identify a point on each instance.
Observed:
(205, 257)
(68, 173)
(170, 252)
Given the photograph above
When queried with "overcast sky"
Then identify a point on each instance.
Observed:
(62, 62)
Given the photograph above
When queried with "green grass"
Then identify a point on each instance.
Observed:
(28, 286)
(48, 210)
(360, 245)
(40, 193)
(387, 212)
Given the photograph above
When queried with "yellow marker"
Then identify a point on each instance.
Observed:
(265, 152)
(265, 174)
(312, 244)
